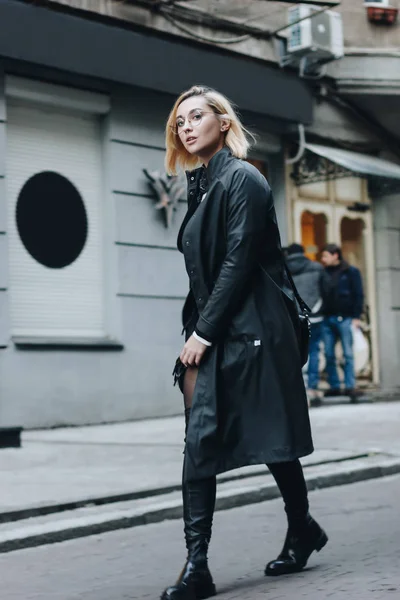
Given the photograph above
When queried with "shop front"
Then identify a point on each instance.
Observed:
(331, 201)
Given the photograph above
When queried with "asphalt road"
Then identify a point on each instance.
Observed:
(361, 561)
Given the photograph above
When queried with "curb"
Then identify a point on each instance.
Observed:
(22, 514)
(31, 535)
(318, 482)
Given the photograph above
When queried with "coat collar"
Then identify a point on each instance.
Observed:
(217, 163)
(214, 166)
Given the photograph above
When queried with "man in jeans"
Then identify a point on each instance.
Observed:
(307, 276)
(343, 298)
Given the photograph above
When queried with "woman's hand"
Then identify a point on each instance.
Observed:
(192, 352)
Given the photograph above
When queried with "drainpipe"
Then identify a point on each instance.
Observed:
(302, 147)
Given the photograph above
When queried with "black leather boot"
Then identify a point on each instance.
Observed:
(195, 581)
(299, 544)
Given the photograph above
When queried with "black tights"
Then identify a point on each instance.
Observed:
(288, 476)
(189, 383)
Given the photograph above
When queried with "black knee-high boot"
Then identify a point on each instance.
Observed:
(304, 535)
(195, 581)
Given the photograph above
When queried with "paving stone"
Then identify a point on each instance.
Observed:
(361, 560)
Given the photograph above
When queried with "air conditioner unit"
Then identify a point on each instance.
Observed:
(318, 35)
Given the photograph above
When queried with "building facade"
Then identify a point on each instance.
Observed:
(91, 283)
(350, 203)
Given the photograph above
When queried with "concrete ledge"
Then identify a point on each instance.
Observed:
(42, 510)
(95, 520)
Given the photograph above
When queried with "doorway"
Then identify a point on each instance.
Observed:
(313, 227)
(317, 223)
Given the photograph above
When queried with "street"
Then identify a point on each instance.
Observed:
(361, 560)
(172, 173)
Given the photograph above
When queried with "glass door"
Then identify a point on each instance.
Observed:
(313, 226)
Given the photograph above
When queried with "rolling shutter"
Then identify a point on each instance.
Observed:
(46, 146)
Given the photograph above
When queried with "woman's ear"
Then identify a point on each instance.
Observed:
(225, 123)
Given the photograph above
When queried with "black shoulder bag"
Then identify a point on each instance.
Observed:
(303, 331)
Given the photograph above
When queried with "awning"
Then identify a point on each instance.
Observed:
(363, 164)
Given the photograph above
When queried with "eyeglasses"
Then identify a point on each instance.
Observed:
(194, 119)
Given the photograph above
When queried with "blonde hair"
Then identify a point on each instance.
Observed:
(236, 137)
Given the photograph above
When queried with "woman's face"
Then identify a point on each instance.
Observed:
(200, 130)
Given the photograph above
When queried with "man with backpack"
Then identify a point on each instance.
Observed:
(307, 275)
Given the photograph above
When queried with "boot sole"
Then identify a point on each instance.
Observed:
(202, 595)
(191, 594)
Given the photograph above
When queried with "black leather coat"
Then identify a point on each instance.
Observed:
(249, 404)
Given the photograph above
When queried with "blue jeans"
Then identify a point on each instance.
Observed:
(332, 329)
(313, 359)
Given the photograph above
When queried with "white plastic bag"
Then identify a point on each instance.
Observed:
(360, 349)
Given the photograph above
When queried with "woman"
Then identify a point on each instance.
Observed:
(240, 369)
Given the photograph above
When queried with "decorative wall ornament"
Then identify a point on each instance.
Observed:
(313, 168)
(169, 190)
(51, 219)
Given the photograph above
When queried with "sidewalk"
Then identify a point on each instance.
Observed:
(74, 481)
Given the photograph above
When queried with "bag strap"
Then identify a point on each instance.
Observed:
(304, 307)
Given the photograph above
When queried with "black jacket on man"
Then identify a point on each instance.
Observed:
(249, 405)
(342, 291)
(307, 275)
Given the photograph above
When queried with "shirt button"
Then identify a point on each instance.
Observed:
(187, 243)
(191, 193)
(192, 179)
(191, 271)
(200, 299)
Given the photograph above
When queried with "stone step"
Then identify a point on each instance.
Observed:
(90, 520)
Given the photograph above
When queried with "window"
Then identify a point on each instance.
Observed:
(55, 212)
